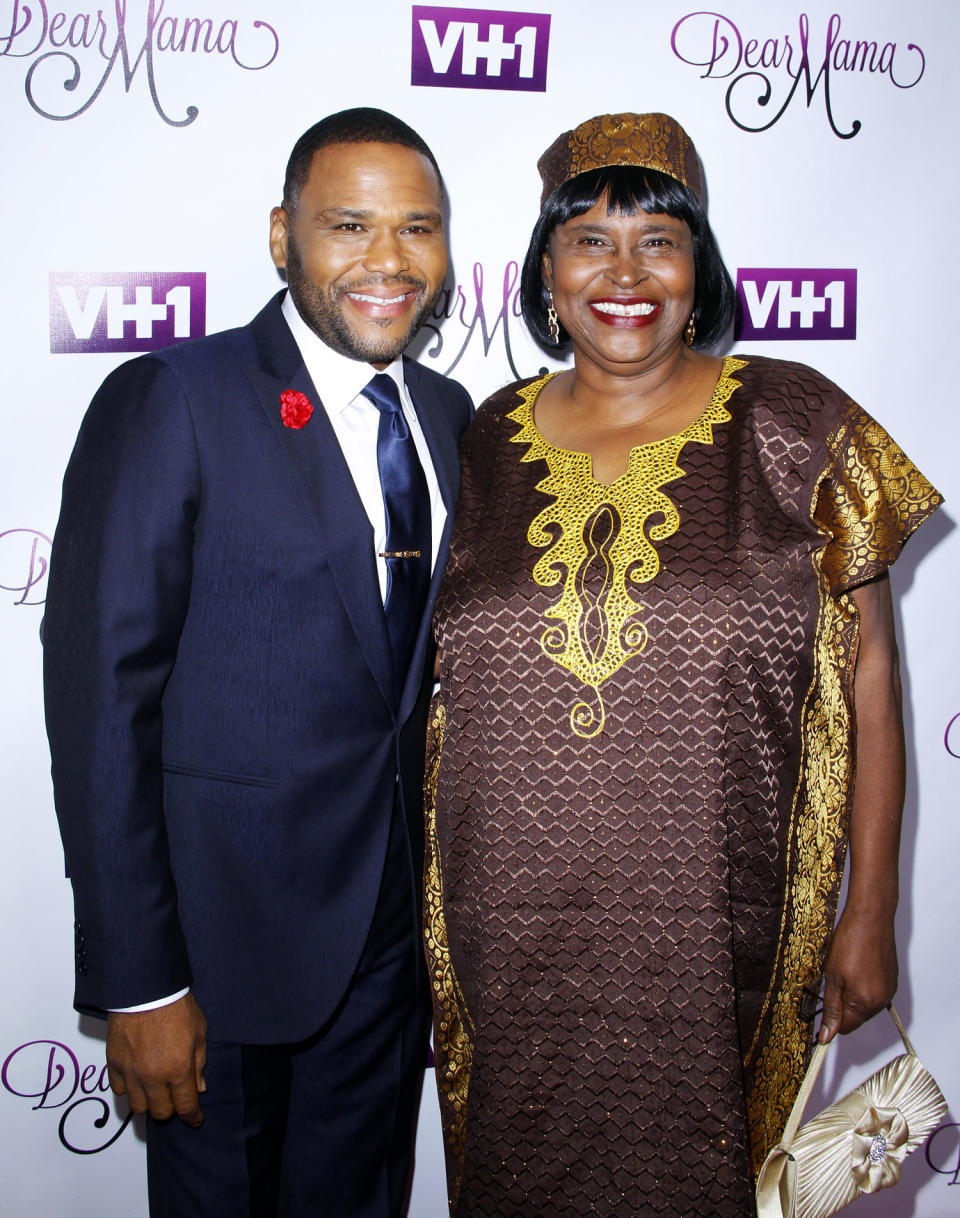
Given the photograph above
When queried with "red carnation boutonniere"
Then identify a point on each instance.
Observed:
(295, 408)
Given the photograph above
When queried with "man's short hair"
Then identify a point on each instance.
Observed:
(361, 125)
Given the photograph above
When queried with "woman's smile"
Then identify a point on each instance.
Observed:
(625, 311)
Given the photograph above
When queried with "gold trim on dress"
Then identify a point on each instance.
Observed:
(871, 500)
(815, 850)
(454, 1034)
(868, 500)
(598, 548)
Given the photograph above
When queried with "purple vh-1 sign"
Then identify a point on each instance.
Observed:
(477, 48)
(787, 303)
(125, 310)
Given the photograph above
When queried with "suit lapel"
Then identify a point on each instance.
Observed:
(433, 417)
(325, 481)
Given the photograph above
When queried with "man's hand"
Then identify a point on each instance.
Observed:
(861, 972)
(156, 1059)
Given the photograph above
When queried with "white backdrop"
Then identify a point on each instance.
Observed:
(100, 181)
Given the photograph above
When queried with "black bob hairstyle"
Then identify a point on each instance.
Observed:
(361, 125)
(629, 189)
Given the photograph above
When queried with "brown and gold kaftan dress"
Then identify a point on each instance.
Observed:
(639, 789)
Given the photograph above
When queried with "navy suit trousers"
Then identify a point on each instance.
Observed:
(319, 1129)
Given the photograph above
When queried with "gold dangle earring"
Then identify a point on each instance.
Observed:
(552, 324)
(690, 333)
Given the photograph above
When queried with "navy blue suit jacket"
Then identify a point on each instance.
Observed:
(224, 733)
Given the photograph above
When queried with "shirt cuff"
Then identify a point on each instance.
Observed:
(150, 1006)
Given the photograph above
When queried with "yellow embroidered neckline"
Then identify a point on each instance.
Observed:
(701, 429)
(593, 527)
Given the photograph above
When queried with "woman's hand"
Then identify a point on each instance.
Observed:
(861, 973)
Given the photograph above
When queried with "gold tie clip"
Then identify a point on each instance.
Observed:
(399, 553)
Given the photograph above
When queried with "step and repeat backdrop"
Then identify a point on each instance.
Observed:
(143, 144)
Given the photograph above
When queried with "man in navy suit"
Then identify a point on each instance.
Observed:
(237, 672)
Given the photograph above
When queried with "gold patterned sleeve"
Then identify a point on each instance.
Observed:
(870, 498)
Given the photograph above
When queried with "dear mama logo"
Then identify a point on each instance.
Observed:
(71, 54)
(768, 69)
(50, 1073)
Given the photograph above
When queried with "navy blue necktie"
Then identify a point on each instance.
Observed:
(406, 502)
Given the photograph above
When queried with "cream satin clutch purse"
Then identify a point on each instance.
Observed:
(854, 1146)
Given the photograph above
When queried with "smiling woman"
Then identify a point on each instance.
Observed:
(665, 619)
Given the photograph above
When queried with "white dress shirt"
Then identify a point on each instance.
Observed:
(339, 381)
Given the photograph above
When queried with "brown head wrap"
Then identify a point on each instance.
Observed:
(648, 141)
